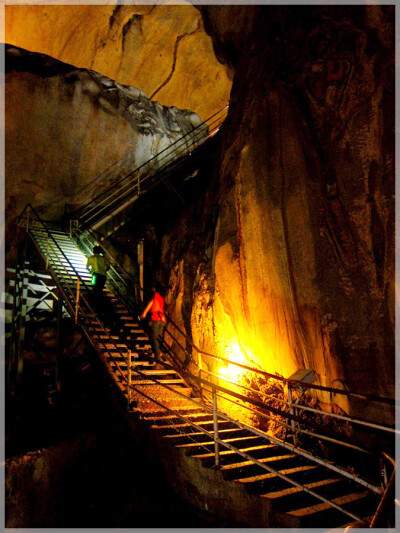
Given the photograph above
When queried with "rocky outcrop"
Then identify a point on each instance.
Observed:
(64, 126)
(299, 266)
(161, 49)
(285, 259)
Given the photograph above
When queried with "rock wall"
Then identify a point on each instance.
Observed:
(298, 268)
(64, 126)
(163, 50)
(285, 259)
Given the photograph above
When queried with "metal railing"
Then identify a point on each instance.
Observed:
(75, 292)
(135, 182)
(211, 389)
(218, 442)
(122, 276)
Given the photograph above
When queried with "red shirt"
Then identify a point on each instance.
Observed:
(157, 309)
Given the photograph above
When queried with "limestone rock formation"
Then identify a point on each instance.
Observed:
(298, 268)
(66, 125)
(161, 49)
(285, 259)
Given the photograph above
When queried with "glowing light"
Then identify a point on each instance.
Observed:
(233, 352)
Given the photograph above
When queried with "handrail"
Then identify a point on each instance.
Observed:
(81, 281)
(130, 154)
(121, 193)
(286, 380)
(275, 440)
(267, 374)
(217, 388)
(240, 452)
(135, 172)
(293, 448)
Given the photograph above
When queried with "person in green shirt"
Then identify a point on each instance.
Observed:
(98, 266)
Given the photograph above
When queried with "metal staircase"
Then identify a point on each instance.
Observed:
(114, 191)
(182, 409)
(116, 336)
(182, 402)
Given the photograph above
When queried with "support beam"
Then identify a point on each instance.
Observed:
(59, 360)
(141, 268)
(22, 321)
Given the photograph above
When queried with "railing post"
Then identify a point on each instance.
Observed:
(380, 519)
(21, 325)
(59, 341)
(141, 265)
(383, 473)
(129, 378)
(25, 245)
(215, 417)
(28, 212)
(14, 328)
(200, 361)
(78, 291)
(47, 252)
(291, 411)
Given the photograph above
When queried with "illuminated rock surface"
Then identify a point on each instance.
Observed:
(162, 50)
(288, 257)
(66, 125)
(299, 267)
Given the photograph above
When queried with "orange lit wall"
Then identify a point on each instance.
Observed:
(162, 50)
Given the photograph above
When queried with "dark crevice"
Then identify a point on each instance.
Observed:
(127, 26)
(114, 15)
(175, 55)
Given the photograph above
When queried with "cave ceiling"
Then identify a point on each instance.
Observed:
(162, 50)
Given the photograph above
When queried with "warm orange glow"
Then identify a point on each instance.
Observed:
(232, 351)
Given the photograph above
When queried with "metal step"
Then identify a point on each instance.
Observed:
(159, 381)
(198, 435)
(231, 453)
(284, 496)
(236, 441)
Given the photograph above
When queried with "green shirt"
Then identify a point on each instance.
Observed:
(97, 264)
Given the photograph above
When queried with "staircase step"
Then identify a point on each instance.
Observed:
(169, 421)
(271, 475)
(159, 372)
(178, 437)
(271, 452)
(341, 500)
(206, 423)
(237, 441)
(159, 381)
(294, 490)
(231, 452)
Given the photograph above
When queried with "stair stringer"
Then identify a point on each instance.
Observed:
(228, 502)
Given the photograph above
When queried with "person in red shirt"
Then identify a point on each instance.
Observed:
(157, 318)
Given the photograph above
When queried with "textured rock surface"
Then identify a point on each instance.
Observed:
(287, 259)
(299, 266)
(163, 50)
(66, 125)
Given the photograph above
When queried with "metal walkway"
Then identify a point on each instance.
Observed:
(112, 193)
(182, 408)
(121, 340)
(188, 408)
